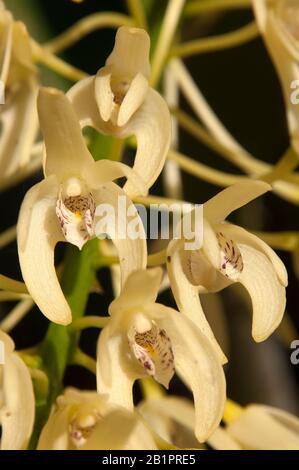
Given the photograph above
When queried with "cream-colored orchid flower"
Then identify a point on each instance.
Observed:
(278, 21)
(62, 206)
(145, 338)
(18, 114)
(118, 101)
(84, 420)
(229, 254)
(255, 427)
(260, 427)
(17, 404)
(173, 419)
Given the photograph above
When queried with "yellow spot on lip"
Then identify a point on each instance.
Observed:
(149, 349)
(78, 214)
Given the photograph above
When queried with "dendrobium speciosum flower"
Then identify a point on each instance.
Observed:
(173, 419)
(255, 427)
(17, 403)
(62, 206)
(278, 21)
(118, 101)
(18, 115)
(84, 420)
(229, 254)
(144, 338)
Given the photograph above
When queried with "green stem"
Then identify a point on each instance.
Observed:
(216, 43)
(82, 359)
(60, 343)
(90, 321)
(196, 7)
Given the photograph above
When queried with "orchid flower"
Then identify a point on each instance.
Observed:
(83, 420)
(229, 254)
(262, 427)
(17, 403)
(144, 338)
(173, 419)
(18, 75)
(278, 21)
(119, 102)
(62, 206)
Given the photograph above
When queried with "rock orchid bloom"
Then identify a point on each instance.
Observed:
(144, 338)
(229, 254)
(255, 427)
(119, 102)
(278, 21)
(18, 115)
(17, 403)
(62, 206)
(83, 420)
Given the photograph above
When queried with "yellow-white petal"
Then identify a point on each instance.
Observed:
(221, 440)
(82, 97)
(130, 54)
(284, 418)
(255, 428)
(6, 30)
(18, 118)
(133, 99)
(232, 198)
(38, 231)
(104, 171)
(157, 420)
(268, 296)
(54, 435)
(284, 51)
(103, 93)
(120, 430)
(240, 235)
(171, 409)
(118, 99)
(66, 150)
(150, 124)
(186, 295)
(73, 419)
(17, 414)
(132, 253)
(115, 376)
(141, 288)
(197, 363)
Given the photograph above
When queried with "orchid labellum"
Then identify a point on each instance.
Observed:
(83, 420)
(144, 338)
(229, 254)
(118, 101)
(62, 206)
